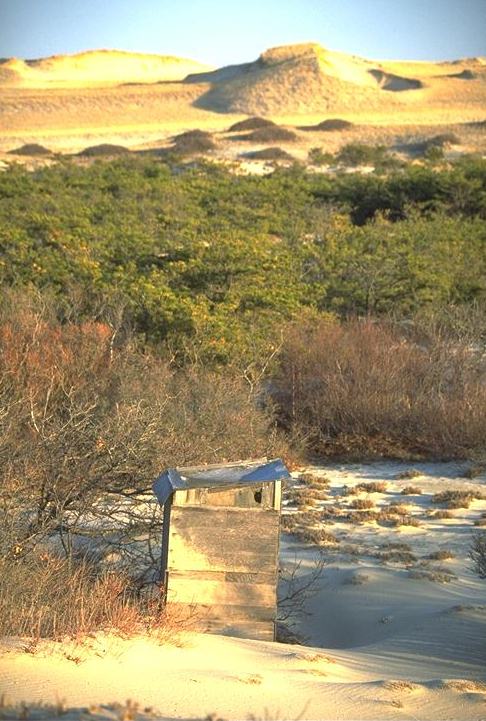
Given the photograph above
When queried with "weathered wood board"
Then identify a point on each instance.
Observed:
(222, 559)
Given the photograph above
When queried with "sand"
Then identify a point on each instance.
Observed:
(68, 102)
(384, 646)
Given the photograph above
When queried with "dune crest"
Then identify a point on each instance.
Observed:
(95, 68)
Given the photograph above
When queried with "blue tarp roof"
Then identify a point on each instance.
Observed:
(231, 475)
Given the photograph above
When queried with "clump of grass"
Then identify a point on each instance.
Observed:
(398, 556)
(442, 555)
(408, 474)
(411, 491)
(373, 487)
(443, 515)
(309, 479)
(397, 509)
(350, 491)
(406, 520)
(455, 498)
(438, 575)
(362, 504)
(362, 516)
(480, 522)
(315, 536)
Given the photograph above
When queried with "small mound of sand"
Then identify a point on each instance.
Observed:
(251, 124)
(103, 150)
(268, 154)
(329, 125)
(269, 135)
(31, 149)
(193, 141)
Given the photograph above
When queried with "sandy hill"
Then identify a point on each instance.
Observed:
(95, 67)
(307, 78)
(107, 96)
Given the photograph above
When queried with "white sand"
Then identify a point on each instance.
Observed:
(391, 647)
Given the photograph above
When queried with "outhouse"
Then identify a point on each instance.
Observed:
(220, 542)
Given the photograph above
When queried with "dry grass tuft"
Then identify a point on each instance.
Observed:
(437, 575)
(362, 504)
(442, 555)
(456, 498)
(411, 491)
(373, 487)
(408, 474)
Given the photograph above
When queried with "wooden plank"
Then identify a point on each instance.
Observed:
(223, 613)
(228, 576)
(209, 592)
(223, 540)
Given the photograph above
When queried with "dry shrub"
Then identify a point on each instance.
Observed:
(270, 134)
(408, 474)
(438, 575)
(442, 555)
(362, 504)
(397, 555)
(374, 388)
(411, 491)
(315, 536)
(104, 150)
(45, 596)
(329, 125)
(456, 499)
(373, 487)
(193, 141)
(443, 515)
(273, 153)
(31, 149)
(84, 419)
(251, 124)
(406, 520)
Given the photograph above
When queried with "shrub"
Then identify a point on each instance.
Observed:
(251, 124)
(442, 555)
(269, 154)
(372, 388)
(362, 504)
(411, 491)
(477, 554)
(329, 124)
(31, 149)
(270, 134)
(408, 474)
(103, 150)
(373, 487)
(455, 499)
(317, 156)
(193, 141)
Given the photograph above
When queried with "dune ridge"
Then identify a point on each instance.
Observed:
(95, 67)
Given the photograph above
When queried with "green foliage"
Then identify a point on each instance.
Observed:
(212, 263)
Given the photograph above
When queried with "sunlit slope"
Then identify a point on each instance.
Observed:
(95, 68)
(309, 79)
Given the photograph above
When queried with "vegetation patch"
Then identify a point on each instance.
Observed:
(330, 124)
(254, 123)
(31, 149)
(103, 150)
(269, 154)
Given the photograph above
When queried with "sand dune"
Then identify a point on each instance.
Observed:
(111, 96)
(95, 68)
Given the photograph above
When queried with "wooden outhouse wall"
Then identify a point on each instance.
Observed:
(222, 558)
